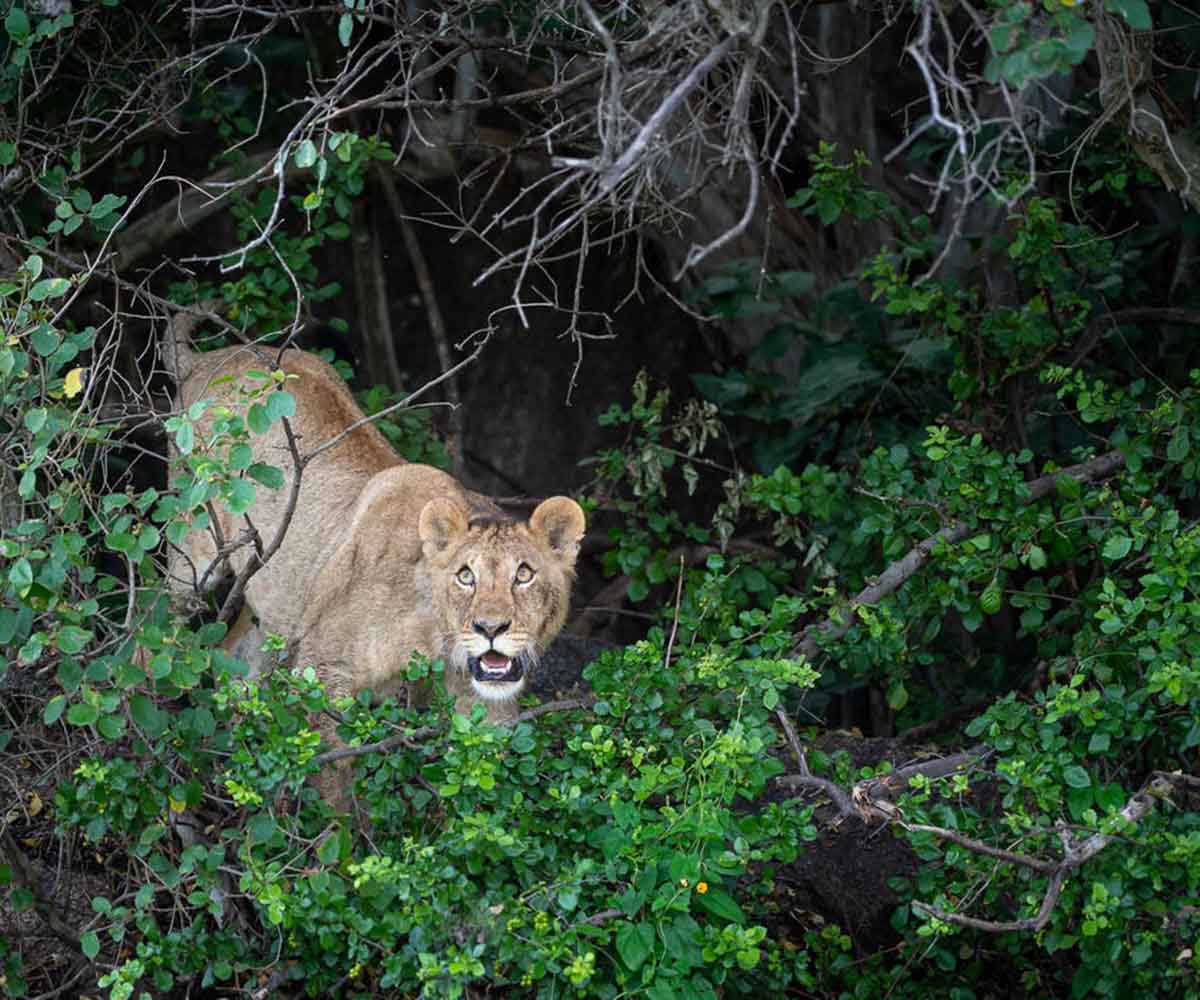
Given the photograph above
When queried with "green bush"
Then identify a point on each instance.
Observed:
(952, 512)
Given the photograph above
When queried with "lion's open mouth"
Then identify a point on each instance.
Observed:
(496, 668)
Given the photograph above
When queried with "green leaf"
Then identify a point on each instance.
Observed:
(240, 496)
(211, 633)
(1067, 487)
(148, 538)
(1003, 36)
(1079, 39)
(281, 404)
(45, 340)
(107, 205)
(660, 989)
(306, 154)
(146, 715)
(635, 943)
(54, 709)
(8, 625)
(111, 727)
(1037, 557)
(1117, 547)
(20, 575)
(329, 850)
(70, 673)
(345, 30)
(72, 639)
(240, 456)
(17, 24)
(1134, 11)
(35, 419)
(897, 696)
(82, 714)
(185, 438)
(828, 210)
(121, 541)
(268, 475)
(89, 943)
(990, 599)
(49, 288)
(1179, 445)
(1077, 777)
(720, 904)
(1032, 618)
(257, 419)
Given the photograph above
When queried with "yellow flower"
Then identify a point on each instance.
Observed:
(684, 882)
(702, 887)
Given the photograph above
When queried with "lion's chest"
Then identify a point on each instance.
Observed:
(385, 650)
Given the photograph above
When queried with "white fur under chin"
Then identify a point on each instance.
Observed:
(493, 691)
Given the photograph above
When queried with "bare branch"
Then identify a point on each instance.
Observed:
(1158, 786)
(835, 792)
(233, 601)
(406, 401)
(437, 323)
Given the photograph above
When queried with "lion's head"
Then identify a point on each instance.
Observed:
(500, 587)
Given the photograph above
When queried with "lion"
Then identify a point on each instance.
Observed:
(382, 558)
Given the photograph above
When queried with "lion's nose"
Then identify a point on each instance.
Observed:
(489, 630)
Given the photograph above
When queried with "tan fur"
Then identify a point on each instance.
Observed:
(373, 563)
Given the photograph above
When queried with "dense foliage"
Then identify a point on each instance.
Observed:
(953, 494)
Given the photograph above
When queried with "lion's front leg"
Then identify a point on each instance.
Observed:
(335, 781)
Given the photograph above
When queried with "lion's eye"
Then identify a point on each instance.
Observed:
(465, 577)
(524, 573)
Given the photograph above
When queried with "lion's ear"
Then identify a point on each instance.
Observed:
(561, 523)
(442, 523)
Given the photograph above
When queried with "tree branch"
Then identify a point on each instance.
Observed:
(406, 401)
(1158, 786)
(897, 574)
(437, 323)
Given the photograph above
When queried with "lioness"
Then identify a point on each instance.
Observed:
(382, 557)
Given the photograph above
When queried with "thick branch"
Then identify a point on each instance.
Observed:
(1158, 786)
(408, 740)
(898, 573)
(835, 792)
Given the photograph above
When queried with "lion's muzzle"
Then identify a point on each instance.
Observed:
(494, 667)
